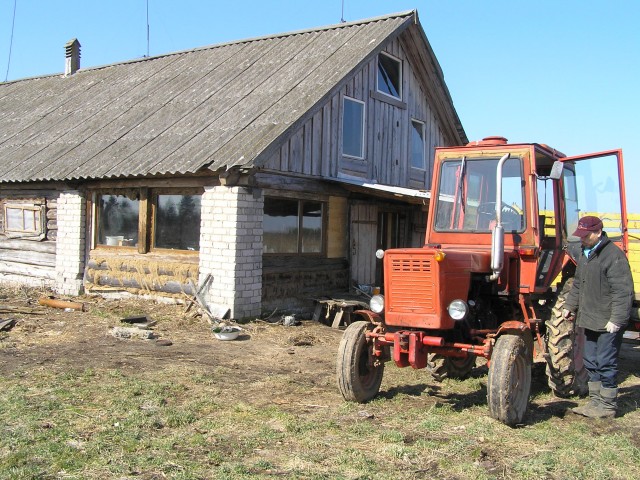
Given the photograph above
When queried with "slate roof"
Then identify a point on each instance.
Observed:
(215, 107)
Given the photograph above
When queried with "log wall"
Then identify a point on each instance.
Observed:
(171, 275)
(29, 260)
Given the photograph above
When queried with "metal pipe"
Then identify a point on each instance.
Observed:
(504, 158)
(497, 237)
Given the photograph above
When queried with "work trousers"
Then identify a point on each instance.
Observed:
(601, 351)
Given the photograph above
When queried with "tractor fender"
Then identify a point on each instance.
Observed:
(515, 327)
(368, 315)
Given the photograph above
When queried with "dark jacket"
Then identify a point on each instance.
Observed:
(603, 288)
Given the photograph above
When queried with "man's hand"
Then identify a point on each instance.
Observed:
(612, 327)
(568, 314)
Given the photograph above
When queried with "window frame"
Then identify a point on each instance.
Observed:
(147, 211)
(95, 209)
(40, 230)
(323, 234)
(400, 76)
(453, 214)
(154, 193)
(362, 156)
(423, 125)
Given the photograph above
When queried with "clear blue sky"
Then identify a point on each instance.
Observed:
(565, 73)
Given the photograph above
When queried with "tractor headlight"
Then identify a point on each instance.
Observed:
(458, 309)
(380, 254)
(376, 304)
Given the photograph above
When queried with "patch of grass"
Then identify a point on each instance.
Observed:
(280, 416)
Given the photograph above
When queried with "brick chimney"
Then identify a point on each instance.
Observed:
(72, 57)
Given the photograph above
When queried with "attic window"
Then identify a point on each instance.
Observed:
(24, 221)
(353, 128)
(389, 76)
(417, 145)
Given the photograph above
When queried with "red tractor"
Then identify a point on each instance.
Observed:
(485, 284)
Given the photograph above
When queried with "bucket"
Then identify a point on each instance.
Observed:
(114, 240)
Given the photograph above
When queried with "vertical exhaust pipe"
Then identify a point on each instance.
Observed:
(497, 236)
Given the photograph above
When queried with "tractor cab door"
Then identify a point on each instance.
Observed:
(593, 184)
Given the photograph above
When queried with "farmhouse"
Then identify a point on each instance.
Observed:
(273, 166)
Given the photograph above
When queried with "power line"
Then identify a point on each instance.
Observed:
(13, 23)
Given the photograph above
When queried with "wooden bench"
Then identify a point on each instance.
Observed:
(338, 308)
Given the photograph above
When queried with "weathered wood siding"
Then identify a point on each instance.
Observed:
(30, 261)
(418, 226)
(315, 149)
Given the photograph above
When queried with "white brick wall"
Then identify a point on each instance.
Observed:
(70, 243)
(231, 248)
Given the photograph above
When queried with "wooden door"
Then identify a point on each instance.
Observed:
(363, 234)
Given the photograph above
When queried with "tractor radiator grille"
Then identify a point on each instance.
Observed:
(412, 285)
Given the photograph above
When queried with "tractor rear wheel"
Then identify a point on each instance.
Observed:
(359, 372)
(509, 381)
(566, 374)
(441, 367)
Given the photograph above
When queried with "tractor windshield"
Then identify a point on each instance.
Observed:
(466, 198)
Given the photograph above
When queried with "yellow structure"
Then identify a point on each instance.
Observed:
(611, 223)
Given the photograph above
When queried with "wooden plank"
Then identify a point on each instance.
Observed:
(307, 155)
(35, 271)
(317, 312)
(296, 158)
(28, 246)
(325, 160)
(335, 134)
(28, 258)
(144, 240)
(338, 318)
(316, 143)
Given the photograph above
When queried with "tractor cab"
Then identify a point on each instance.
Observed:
(521, 202)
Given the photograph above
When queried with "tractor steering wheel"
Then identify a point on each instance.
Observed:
(511, 217)
(489, 208)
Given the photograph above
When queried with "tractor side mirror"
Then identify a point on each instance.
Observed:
(556, 170)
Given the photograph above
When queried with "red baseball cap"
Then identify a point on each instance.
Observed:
(586, 225)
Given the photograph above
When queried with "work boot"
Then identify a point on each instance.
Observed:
(608, 404)
(594, 399)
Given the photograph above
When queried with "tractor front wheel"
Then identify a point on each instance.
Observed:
(359, 372)
(509, 381)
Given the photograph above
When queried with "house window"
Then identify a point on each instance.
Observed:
(417, 145)
(117, 220)
(177, 222)
(390, 76)
(293, 226)
(149, 218)
(24, 220)
(353, 128)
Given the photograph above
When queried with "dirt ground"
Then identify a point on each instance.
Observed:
(83, 339)
(59, 339)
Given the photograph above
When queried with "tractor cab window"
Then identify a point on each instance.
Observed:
(466, 198)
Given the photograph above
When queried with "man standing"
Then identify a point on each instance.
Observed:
(601, 298)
